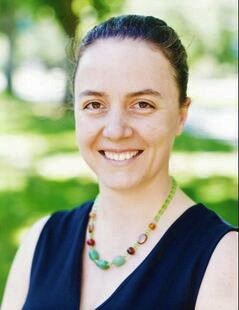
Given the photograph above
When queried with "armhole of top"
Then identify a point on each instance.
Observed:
(208, 259)
(18, 280)
(36, 232)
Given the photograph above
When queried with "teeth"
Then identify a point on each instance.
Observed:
(120, 156)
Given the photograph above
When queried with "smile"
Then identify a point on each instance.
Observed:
(120, 156)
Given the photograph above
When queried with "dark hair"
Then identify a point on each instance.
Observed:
(149, 29)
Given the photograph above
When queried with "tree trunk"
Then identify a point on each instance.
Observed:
(65, 16)
(10, 62)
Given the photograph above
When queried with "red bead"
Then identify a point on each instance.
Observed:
(131, 250)
(90, 242)
(152, 226)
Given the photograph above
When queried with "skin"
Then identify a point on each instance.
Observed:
(130, 193)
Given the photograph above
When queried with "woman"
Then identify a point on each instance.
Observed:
(143, 243)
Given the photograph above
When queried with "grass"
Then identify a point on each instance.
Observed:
(31, 133)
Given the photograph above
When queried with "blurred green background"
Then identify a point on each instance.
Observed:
(41, 170)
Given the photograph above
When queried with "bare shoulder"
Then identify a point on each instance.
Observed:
(218, 290)
(19, 275)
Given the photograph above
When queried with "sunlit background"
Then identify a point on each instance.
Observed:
(41, 169)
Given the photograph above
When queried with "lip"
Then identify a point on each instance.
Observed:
(123, 162)
(120, 151)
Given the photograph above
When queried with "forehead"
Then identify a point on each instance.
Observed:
(124, 64)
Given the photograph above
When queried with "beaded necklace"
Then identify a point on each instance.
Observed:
(121, 259)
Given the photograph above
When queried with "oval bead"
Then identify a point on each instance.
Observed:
(131, 250)
(92, 215)
(118, 261)
(91, 228)
(142, 238)
(93, 254)
(90, 242)
(102, 264)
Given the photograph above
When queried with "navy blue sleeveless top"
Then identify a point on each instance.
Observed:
(169, 277)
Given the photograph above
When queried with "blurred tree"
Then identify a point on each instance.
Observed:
(67, 13)
(8, 16)
(12, 15)
(63, 13)
(106, 8)
(226, 49)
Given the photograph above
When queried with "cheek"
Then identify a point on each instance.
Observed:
(159, 130)
(84, 136)
(87, 131)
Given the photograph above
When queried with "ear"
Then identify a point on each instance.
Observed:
(183, 113)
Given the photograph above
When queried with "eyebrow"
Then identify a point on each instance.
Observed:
(147, 91)
(92, 93)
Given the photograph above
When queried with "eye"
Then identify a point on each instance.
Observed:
(142, 105)
(93, 105)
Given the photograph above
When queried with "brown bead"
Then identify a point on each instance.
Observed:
(152, 226)
(142, 238)
(90, 242)
(131, 250)
(92, 215)
(91, 228)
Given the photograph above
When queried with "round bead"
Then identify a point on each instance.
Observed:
(90, 242)
(142, 238)
(152, 226)
(102, 264)
(131, 250)
(93, 254)
(118, 261)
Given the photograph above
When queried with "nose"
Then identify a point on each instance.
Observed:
(117, 126)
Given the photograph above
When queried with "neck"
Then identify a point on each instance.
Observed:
(136, 203)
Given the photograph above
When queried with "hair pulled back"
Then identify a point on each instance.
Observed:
(149, 29)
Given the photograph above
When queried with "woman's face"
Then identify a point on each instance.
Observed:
(126, 112)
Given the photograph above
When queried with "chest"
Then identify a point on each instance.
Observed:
(98, 285)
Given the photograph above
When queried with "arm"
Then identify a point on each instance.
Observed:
(19, 276)
(219, 289)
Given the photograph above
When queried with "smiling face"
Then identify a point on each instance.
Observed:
(126, 112)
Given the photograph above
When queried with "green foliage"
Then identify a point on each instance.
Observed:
(106, 8)
(67, 12)
(227, 50)
(14, 16)
(187, 141)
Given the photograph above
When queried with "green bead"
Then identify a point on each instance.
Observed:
(118, 261)
(102, 264)
(93, 254)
